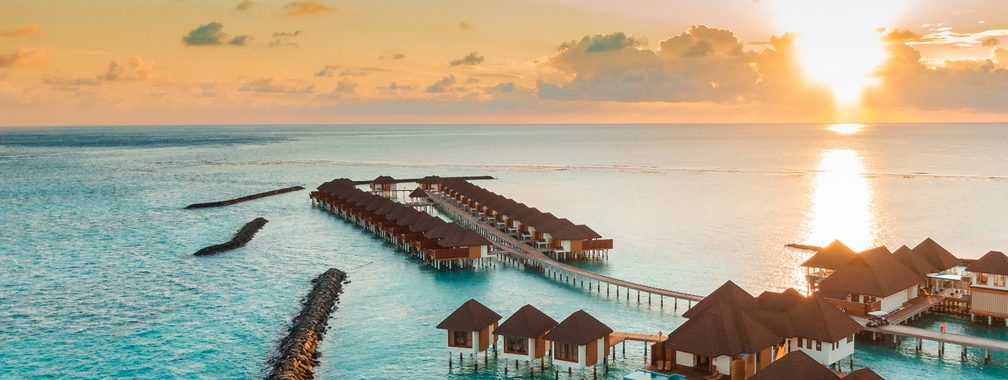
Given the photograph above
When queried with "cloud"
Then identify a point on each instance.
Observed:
(327, 71)
(24, 57)
(134, 69)
(906, 81)
(277, 86)
(27, 31)
(396, 56)
(464, 26)
(470, 59)
(441, 85)
(396, 88)
(1001, 56)
(941, 34)
(503, 88)
(212, 34)
(345, 86)
(307, 8)
(288, 34)
(245, 5)
(702, 64)
(990, 41)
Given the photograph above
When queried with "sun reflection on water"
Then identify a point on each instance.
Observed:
(841, 202)
(846, 128)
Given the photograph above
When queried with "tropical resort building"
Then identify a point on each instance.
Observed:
(733, 334)
(872, 281)
(557, 237)
(580, 341)
(987, 286)
(470, 329)
(824, 262)
(437, 242)
(524, 334)
(800, 366)
(947, 274)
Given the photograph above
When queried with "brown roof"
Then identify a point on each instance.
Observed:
(443, 231)
(721, 329)
(796, 365)
(782, 301)
(383, 179)
(832, 256)
(338, 183)
(917, 263)
(874, 272)
(471, 316)
(431, 179)
(727, 293)
(418, 193)
(579, 328)
(578, 232)
(426, 223)
(464, 238)
(818, 319)
(993, 262)
(863, 374)
(527, 322)
(937, 255)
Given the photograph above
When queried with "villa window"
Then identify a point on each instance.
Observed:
(801, 342)
(818, 345)
(515, 345)
(566, 352)
(808, 344)
(457, 338)
(982, 278)
(999, 280)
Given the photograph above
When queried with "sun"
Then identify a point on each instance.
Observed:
(839, 43)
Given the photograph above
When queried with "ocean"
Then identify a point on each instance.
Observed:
(97, 277)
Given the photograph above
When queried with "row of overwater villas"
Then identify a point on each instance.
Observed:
(557, 236)
(436, 241)
(729, 335)
(880, 281)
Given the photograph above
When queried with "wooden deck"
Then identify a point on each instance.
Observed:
(916, 306)
(618, 337)
(937, 336)
(527, 254)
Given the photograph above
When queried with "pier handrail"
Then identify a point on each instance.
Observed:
(517, 248)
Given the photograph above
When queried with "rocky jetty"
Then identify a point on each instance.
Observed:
(244, 199)
(242, 237)
(807, 247)
(297, 353)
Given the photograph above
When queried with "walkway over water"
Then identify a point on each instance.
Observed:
(937, 336)
(517, 250)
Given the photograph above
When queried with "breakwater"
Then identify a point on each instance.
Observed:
(240, 238)
(244, 199)
(807, 247)
(297, 353)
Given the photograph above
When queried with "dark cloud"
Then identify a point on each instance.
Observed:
(398, 56)
(244, 5)
(396, 88)
(327, 71)
(288, 34)
(307, 8)
(212, 33)
(470, 59)
(503, 88)
(345, 86)
(442, 85)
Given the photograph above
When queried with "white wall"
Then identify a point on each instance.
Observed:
(895, 301)
(685, 358)
(827, 355)
(723, 364)
(975, 277)
(473, 350)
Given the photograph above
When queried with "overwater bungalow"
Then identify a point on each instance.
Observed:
(431, 182)
(988, 286)
(580, 341)
(524, 334)
(732, 333)
(873, 281)
(418, 195)
(800, 366)
(948, 269)
(384, 185)
(465, 244)
(470, 328)
(826, 260)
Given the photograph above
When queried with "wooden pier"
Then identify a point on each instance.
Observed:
(943, 338)
(516, 251)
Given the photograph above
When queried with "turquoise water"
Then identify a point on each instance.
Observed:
(97, 278)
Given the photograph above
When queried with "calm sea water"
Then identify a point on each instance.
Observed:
(97, 279)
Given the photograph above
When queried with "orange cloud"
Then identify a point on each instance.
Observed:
(134, 69)
(307, 8)
(24, 57)
(245, 5)
(28, 31)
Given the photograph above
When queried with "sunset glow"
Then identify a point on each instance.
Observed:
(839, 42)
(841, 202)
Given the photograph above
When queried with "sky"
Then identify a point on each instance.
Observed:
(170, 62)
